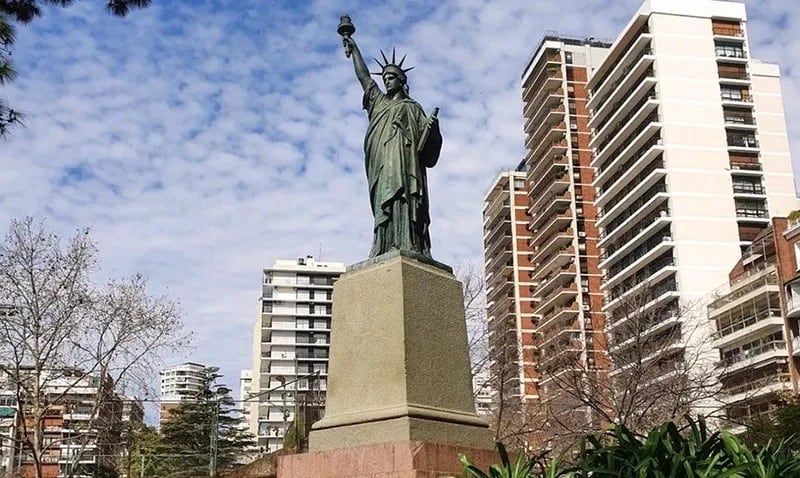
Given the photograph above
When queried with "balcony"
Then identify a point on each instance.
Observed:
(605, 91)
(557, 297)
(752, 212)
(549, 112)
(742, 189)
(562, 257)
(796, 346)
(727, 32)
(556, 222)
(640, 194)
(646, 115)
(552, 148)
(656, 293)
(649, 267)
(761, 322)
(744, 143)
(548, 96)
(549, 72)
(498, 262)
(554, 242)
(571, 331)
(736, 97)
(548, 166)
(739, 120)
(644, 139)
(501, 244)
(498, 206)
(543, 129)
(793, 305)
(545, 205)
(501, 227)
(764, 353)
(730, 52)
(746, 292)
(654, 221)
(555, 183)
(643, 95)
(557, 278)
(758, 388)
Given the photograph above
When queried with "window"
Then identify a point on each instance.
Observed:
(797, 255)
(266, 307)
(519, 184)
(729, 50)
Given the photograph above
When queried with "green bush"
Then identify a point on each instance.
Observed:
(668, 451)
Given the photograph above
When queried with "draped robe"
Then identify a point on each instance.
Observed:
(395, 165)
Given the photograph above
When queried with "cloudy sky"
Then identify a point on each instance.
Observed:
(202, 140)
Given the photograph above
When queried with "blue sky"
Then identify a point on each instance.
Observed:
(200, 140)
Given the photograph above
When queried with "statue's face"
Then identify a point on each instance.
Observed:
(392, 82)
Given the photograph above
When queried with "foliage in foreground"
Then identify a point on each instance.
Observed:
(668, 451)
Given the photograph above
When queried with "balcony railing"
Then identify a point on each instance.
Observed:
(635, 207)
(742, 140)
(613, 86)
(741, 96)
(752, 212)
(727, 31)
(759, 384)
(775, 345)
(770, 279)
(730, 51)
(746, 165)
(643, 274)
(735, 118)
(748, 188)
(655, 140)
(747, 321)
(612, 136)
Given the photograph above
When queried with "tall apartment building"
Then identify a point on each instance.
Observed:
(291, 341)
(691, 159)
(179, 383)
(509, 299)
(9, 418)
(791, 295)
(80, 427)
(565, 280)
(756, 324)
(245, 391)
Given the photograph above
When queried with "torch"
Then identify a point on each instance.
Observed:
(346, 28)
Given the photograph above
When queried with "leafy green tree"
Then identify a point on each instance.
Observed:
(24, 11)
(205, 434)
(780, 426)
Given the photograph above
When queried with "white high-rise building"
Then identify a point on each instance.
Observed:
(692, 159)
(245, 390)
(181, 382)
(290, 346)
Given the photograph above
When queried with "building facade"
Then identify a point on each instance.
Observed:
(563, 222)
(509, 298)
(291, 342)
(245, 391)
(754, 326)
(691, 157)
(9, 418)
(179, 383)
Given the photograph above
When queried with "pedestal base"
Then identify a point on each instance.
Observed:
(402, 459)
(399, 365)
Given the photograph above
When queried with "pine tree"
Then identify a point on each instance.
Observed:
(204, 430)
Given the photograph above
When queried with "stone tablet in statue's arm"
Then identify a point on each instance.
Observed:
(431, 141)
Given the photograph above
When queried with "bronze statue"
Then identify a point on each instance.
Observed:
(401, 142)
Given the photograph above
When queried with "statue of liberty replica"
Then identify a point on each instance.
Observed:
(399, 399)
(401, 142)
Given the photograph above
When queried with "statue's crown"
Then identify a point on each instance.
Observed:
(393, 66)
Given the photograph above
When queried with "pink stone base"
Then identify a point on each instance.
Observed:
(406, 459)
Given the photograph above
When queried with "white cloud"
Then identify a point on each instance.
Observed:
(217, 138)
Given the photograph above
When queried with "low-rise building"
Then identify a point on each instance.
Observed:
(755, 325)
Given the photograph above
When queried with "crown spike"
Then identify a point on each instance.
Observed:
(378, 62)
(385, 61)
(393, 56)
(406, 70)
(401, 61)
